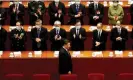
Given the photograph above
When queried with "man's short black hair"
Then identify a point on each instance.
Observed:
(66, 41)
(77, 21)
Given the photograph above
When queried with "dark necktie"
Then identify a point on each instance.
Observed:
(77, 8)
(38, 33)
(77, 32)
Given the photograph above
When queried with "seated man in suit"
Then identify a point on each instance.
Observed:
(119, 36)
(99, 38)
(16, 11)
(96, 12)
(77, 37)
(18, 37)
(131, 13)
(115, 13)
(3, 14)
(65, 61)
(3, 37)
(57, 35)
(39, 36)
(76, 12)
(56, 11)
(36, 11)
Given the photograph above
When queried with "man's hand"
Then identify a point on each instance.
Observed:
(59, 11)
(35, 14)
(69, 72)
(55, 15)
(56, 36)
(74, 36)
(38, 39)
(116, 18)
(97, 43)
(80, 36)
(59, 38)
(118, 39)
(16, 35)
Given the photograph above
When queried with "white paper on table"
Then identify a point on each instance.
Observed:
(38, 53)
(12, 27)
(127, 27)
(119, 53)
(91, 28)
(70, 3)
(88, 3)
(56, 53)
(76, 53)
(105, 3)
(29, 29)
(11, 54)
(1, 52)
(12, 3)
(72, 27)
(111, 54)
(130, 1)
(130, 54)
(17, 54)
(121, 3)
(108, 28)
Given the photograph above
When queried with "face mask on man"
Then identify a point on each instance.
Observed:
(56, 1)
(18, 27)
(77, 2)
(78, 27)
(16, 2)
(37, 26)
(56, 27)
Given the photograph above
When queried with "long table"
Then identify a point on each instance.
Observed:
(88, 42)
(82, 64)
(66, 17)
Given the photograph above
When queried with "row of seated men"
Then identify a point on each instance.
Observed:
(56, 11)
(77, 36)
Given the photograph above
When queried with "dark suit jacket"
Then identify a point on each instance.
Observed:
(72, 12)
(65, 61)
(3, 37)
(3, 16)
(14, 16)
(52, 10)
(93, 12)
(57, 44)
(119, 45)
(77, 44)
(131, 12)
(43, 36)
(102, 40)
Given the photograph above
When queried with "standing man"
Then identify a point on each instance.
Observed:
(96, 12)
(77, 37)
(115, 13)
(16, 11)
(119, 36)
(57, 35)
(18, 37)
(56, 11)
(99, 38)
(3, 14)
(36, 11)
(39, 36)
(3, 37)
(76, 12)
(65, 61)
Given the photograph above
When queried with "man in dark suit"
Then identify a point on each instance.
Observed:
(3, 37)
(3, 14)
(36, 11)
(39, 37)
(99, 38)
(57, 35)
(131, 13)
(77, 37)
(65, 61)
(96, 12)
(56, 11)
(76, 12)
(18, 37)
(119, 36)
(16, 11)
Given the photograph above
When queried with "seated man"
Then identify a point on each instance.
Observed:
(99, 38)
(115, 13)
(18, 37)
(39, 37)
(3, 37)
(57, 35)
(119, 36)
(77, 37)
(76, 12)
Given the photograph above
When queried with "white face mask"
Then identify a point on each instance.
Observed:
(77, 2)
(18, 27)
(78, 27)
(16, 2)
(37, 26)
(118, 27)
(115, 4)
(56, 1)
